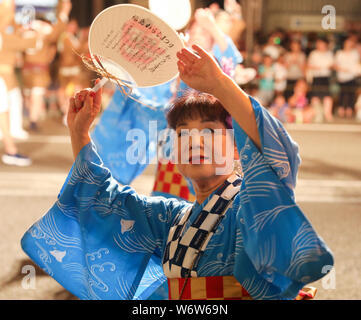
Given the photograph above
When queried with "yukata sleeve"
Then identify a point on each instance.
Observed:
(126, 123)
(284, 251)
(231, 52)
(98, 238)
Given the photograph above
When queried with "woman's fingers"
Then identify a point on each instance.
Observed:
(72, 107)
(71, 111)
(89, 102)
(181, 68)
(187, 57)
(80, 98)
(200, 51)
(191, 56)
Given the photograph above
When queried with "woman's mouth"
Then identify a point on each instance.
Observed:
(197, 159)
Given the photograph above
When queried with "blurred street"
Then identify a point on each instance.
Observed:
(329, 192)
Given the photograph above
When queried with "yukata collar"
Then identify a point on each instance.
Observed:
(199, 206)
(189, 236)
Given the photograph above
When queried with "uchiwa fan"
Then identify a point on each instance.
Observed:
(132, 47)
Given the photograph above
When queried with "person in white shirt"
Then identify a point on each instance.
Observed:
(280, 75)
(295, 61)
(319, 66)
(347, 65)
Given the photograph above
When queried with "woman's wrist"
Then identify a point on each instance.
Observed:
(78, 135)
(221, 85)
(78, 142)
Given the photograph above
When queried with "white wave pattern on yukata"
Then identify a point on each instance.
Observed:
(132, 242)
(47, 229)
(305, 249)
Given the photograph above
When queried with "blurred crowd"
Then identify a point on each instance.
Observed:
(40, 69)
(307, 79)
(299, 78)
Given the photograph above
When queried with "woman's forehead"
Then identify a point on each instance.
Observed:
(199, 122)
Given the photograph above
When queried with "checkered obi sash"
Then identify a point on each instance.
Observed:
(185, 246)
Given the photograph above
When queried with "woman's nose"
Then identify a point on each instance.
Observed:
(196, 141)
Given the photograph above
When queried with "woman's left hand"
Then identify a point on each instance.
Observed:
(199, 70)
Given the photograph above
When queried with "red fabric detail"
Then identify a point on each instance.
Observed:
(184, 193)
(214, 287)
(187, 294)
(305, 294)
(169, 291)
(245, 292)
(166, 187)
(176, 178)
(161, 175)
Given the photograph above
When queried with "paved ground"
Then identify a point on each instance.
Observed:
(329, 192)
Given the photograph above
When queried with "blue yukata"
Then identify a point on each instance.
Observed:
(104, 241)
(123, 114)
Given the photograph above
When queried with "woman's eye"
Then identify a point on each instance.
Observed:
(207, 131)
(183, 133)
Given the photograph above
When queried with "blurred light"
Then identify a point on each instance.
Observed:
(277, 40)
(176, 13)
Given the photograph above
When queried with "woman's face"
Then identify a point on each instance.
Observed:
(348, 45)
(295, 47)
(205, 149)
(321, 45)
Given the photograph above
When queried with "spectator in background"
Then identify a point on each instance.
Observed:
(281, 110)
(302, 111)
(11, 43)
(280, 75)
(69, 65)
(347, 66)
(36, 72)
(36, 69)
(266, 74)
(358, 105)
(295, 61)
(273, 47)
(319, 66)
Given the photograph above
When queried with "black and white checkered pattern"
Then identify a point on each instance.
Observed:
(185, 246)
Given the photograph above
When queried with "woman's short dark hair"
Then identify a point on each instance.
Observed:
(193, 105)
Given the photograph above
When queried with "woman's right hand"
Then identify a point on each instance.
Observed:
(83, 109)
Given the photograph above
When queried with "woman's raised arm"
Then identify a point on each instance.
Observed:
(201, 72)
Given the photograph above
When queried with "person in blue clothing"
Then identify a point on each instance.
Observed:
(243, 238)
